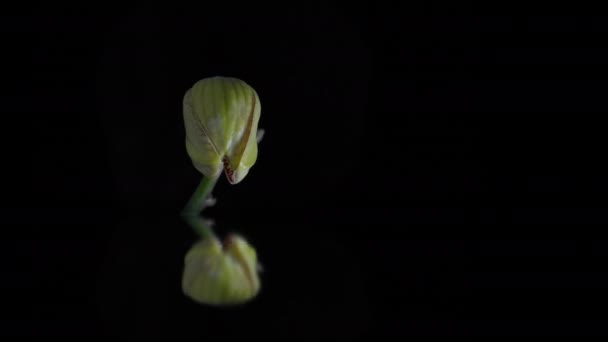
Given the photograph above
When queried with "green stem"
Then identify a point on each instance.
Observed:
(195, 206)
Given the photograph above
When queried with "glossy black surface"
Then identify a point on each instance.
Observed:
(427, 170)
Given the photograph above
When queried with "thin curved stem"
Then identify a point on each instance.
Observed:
(197, 203)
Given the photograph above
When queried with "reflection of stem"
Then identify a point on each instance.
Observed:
(199, 225)
(196, 204)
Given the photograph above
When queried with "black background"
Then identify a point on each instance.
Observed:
(428, 169)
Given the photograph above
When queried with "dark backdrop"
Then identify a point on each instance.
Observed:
(428, 169)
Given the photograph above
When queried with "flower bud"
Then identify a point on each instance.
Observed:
(217, 274)
(221, 116)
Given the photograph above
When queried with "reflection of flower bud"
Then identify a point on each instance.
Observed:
(221, 275)
(221, 117)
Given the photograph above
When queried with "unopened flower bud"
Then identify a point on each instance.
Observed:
(221, 117)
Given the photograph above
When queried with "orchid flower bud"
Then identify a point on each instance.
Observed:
(219, 275)
(221, 116)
